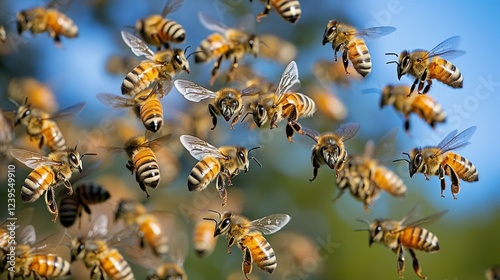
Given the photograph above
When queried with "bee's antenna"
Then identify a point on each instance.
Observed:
(391, 53)
(212, 219)
(403, 159)
(248, 113)
(191, 53)
(395, 62)
(88, 154)
(364, 222)
(14, 102)
(255, 148)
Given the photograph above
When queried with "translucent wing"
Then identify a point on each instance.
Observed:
(375, 32)
(289, 81)
(137, 46)
(199, 148)
(407, 222)
(162, 86)
(270, 224)
(70, 111)
(347, 131)
(157, 143)
(115, 101)
(192, 91)
(28, 235)
(99, 228)
(246, 23)
(32, 159)
(171, 6)
(311, 133)
(454, 142)
(386, 146)
(447, 48)
(251, 90)
(211, 23)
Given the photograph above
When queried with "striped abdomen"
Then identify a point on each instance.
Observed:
(262, 252)
(419, 238)
(146, 167)
(115, 266)
(213, 46)
(156, 31)
(151, 230)
(357, 179)
(288, 9)
(428, 109)
(37, 182)
(203, 238)
(48, 265)
(445, 72)
(52, 136)
(203, 173)
(140, 78)
(91, 193)
(388, 181)
(304, 105)
(151, 113)
(60, 24)
(358, 54)
(462, 166)
(69, 207)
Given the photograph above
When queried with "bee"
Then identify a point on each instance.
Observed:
(97, 251)
(41, 126)
(405, 234)
(6, 134)
(440, 160)
(156, 30)
(121, 64)
(220, 164)
(39, 94)
(288, 9)
(423, 105)
(87, 194)
(350, 42)
(3, 35)
(158, 69)
(277, 49)
(328, 103)
(427, 65)
(225, 44)
(329, 148)
(47, 19)
(48, 173)
(249, 237)
(227, 102)
(493, 273)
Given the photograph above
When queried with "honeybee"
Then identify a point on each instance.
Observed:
(48, 173)
(228, 102)
(225, 44)
(156, 30)
(3, 35)
(349, 41)
(405, 234)
(328, 103)
(6, 134)
(288, 9)
(121, 64)
(440, 160)
(40, 95)
(158, 69)
(87, 194)
(220, 164)
(423, 105)
(41, 126)
(427, 65)
(277, 49)
(493, 273)
(329, 148)
(249, 237)
(47, 19)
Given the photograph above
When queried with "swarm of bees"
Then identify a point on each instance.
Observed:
(146, 236)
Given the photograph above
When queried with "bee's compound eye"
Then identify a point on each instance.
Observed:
(241, 155)
(260, 110)
(418, 160)
(178, 59)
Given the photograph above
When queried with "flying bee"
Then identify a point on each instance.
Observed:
(427, 65)
(39, 94)
(157, 30)
(288, 9)
(350, 42)
(158, 69)
(41, 126)
(423, 105)
(329, 148)
(48, 173)
(249, 237)
(6, 134)
(220, 164)
(328, 103)
(277, 49)
(225, 44)
(228, 102)
(405, 234)
(440, 160)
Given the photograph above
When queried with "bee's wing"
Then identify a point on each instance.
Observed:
(28, 235)
(157, 143)
(311, 133)
(447, 48)
(99, 227)
(386, 146)
(270, 224)
(251, 90)
(375, 32)
(138, 47)
(171, 6)
(199, 148)
(70, 111)
(212, 24)
(347, 130)
(406, 223)
(192, 91)
(115, 101)
(32, 159)
(246, 23)
(22, 218)
(163, 86)
(289, 81)
(454, 141)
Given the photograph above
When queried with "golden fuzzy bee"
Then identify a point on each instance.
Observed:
(220, 164)
(440, 160)
(329, 148)
(349, 41)
(425, 66)
(405, 234)
(225, 44)
(248, 235)
(158, 69)
(48, 173)
(227, 102)
(422, 105)
(329, 104)
(41, 126)
(157, 30)
(288, 9)
(277, 49)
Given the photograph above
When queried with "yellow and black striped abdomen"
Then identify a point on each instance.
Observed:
(419, 238)
(53, 137)
(115, 266)
(445, 72)
(151, 113)
(388, 181)
(60, 24)
(171, 31)
(213, 46)
(262, 252)
(146, 167)
(358, 54)
(140, 78)
(154, 236)
(289, 9)
(49, 265)
(203, 173)
(37, 182)
(203, 238)
(304, 105)
(428, 109)
(462, 166)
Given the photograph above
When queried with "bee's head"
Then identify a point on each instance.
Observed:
(222, 223)
(330, 31)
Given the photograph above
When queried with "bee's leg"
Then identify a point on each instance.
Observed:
(401, 259)
(416, 266)
(85, 208)
(236, 119)
(341, 192)
(315, 170)
(216, 69)
(274, 119)
(407, 123)
(130, 166)
(455, 183)
(68, 185)
(50, 201)
(142, 241)
(213, 114)
(36, 276)
(219, 182)
(246, 265)
(413, 86)
(335, 50)
(166, 45)
(141, 184)
(234, 65)
(40, 144)
(345, 61)
(96, 272)
(264, 13)
(230, 242)
(443, 182)
(421, 83)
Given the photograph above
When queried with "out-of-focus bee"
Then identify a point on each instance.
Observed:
(225, 44)
(3, 35)
(220, 164)
(86, 194)
(47, 19)
(228, 102)
(440, 160)
(329, 148)
(6, 134)
(48, 173)
(493, 273)
(349, 41)
(39, 94)
(427, 65)
(249, 237)
(157, 30)
(327, 72)
(405, 234)
(41, 126)
(328, 103)
(158, 69)
(423, 105)
(277, 49)
(288, 9)
(97, 251)
(121, 64)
